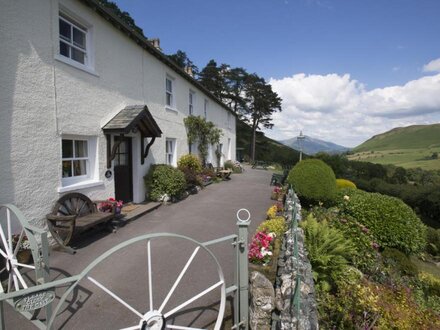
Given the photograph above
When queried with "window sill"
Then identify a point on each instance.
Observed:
(171, 109)
(80, 185)
(76, 65)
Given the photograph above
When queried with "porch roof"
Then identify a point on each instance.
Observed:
(132, 118)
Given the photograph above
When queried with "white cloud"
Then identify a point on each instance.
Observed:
(433, 66)
(339, 109)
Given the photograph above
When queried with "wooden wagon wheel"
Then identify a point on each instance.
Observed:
(62, 220)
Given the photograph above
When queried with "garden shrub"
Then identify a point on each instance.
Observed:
(313, 181)
(164, 179)
(328, 250)
(191, 162)
(275, 225)
(366, 254)
(433, 244)
(343, 183)
(228, 165)
(191, 178)
(391, 222)
(397, 260)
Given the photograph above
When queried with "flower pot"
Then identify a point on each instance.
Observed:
(269, 270)
(24, 256)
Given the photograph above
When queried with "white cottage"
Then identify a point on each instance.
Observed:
(82, 98)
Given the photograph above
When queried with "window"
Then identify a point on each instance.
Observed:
(169, 92)
(228, 121)
(191, 102)
(205, 109)
(73, 40)
(75, 158)
(170, 151)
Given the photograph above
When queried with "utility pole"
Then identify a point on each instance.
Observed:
(300, 139)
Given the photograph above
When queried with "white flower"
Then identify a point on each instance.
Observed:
(346, 198)
(265, 252)
(272, 235)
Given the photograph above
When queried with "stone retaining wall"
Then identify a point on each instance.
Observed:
(292, 269)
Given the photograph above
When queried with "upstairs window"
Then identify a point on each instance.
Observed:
(75, 158)
(170, 151)
(73, 40)
(205, 109)
(169, 92)
(191, 102)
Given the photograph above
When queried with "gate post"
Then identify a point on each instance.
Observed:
(243, 269)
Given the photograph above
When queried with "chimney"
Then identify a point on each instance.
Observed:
(156, 43)
(189, 71)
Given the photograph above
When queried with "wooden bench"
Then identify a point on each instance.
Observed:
(279, 179)
(259, 164)
(73, 214)
(224, 174)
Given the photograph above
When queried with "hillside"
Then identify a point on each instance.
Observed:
(409, 147)
(312, 146)
(411, 137)
(266, 149)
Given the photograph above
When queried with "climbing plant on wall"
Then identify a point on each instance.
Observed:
(203, 132)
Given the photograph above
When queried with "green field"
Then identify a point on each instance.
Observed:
(407, 158)
(408, 147)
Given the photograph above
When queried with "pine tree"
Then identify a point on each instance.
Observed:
(263, 102)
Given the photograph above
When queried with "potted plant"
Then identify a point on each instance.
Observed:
(263, 254)
(24, 253)
(112, 203)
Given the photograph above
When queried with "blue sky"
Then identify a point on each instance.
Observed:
(346, 69)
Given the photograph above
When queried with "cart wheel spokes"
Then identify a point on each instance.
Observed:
(12, 236)
(156, 318)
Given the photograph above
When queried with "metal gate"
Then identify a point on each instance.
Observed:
(30, 299)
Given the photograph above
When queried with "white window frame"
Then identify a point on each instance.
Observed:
(170, 155)
(191, 102)
(205, 109)
(80, 24)
(171, 92)
(91, 177)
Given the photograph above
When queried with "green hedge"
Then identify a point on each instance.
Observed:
(313, 181)
(164, 179)
(392, 223)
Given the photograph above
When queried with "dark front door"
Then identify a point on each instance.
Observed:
(123, 170)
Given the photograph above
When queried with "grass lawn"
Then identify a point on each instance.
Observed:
(407, 158)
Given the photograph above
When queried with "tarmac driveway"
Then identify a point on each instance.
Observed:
(208, 215)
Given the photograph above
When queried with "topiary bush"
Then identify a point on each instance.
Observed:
(313, 181)
(391, 222)
(164, 179)
(275, 225)
(344, 183)
(191, 162)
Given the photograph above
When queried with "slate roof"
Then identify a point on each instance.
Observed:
(133, 117)
(147, 45)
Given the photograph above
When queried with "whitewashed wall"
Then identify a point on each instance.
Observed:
(43, 98)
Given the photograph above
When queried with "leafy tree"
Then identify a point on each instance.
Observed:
(123, 15)
(262, 103)
(183, 61)
(235, 97)
(212, 78)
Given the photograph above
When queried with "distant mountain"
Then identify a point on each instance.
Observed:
(410, 137)
(311, 146)
(266, 149)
